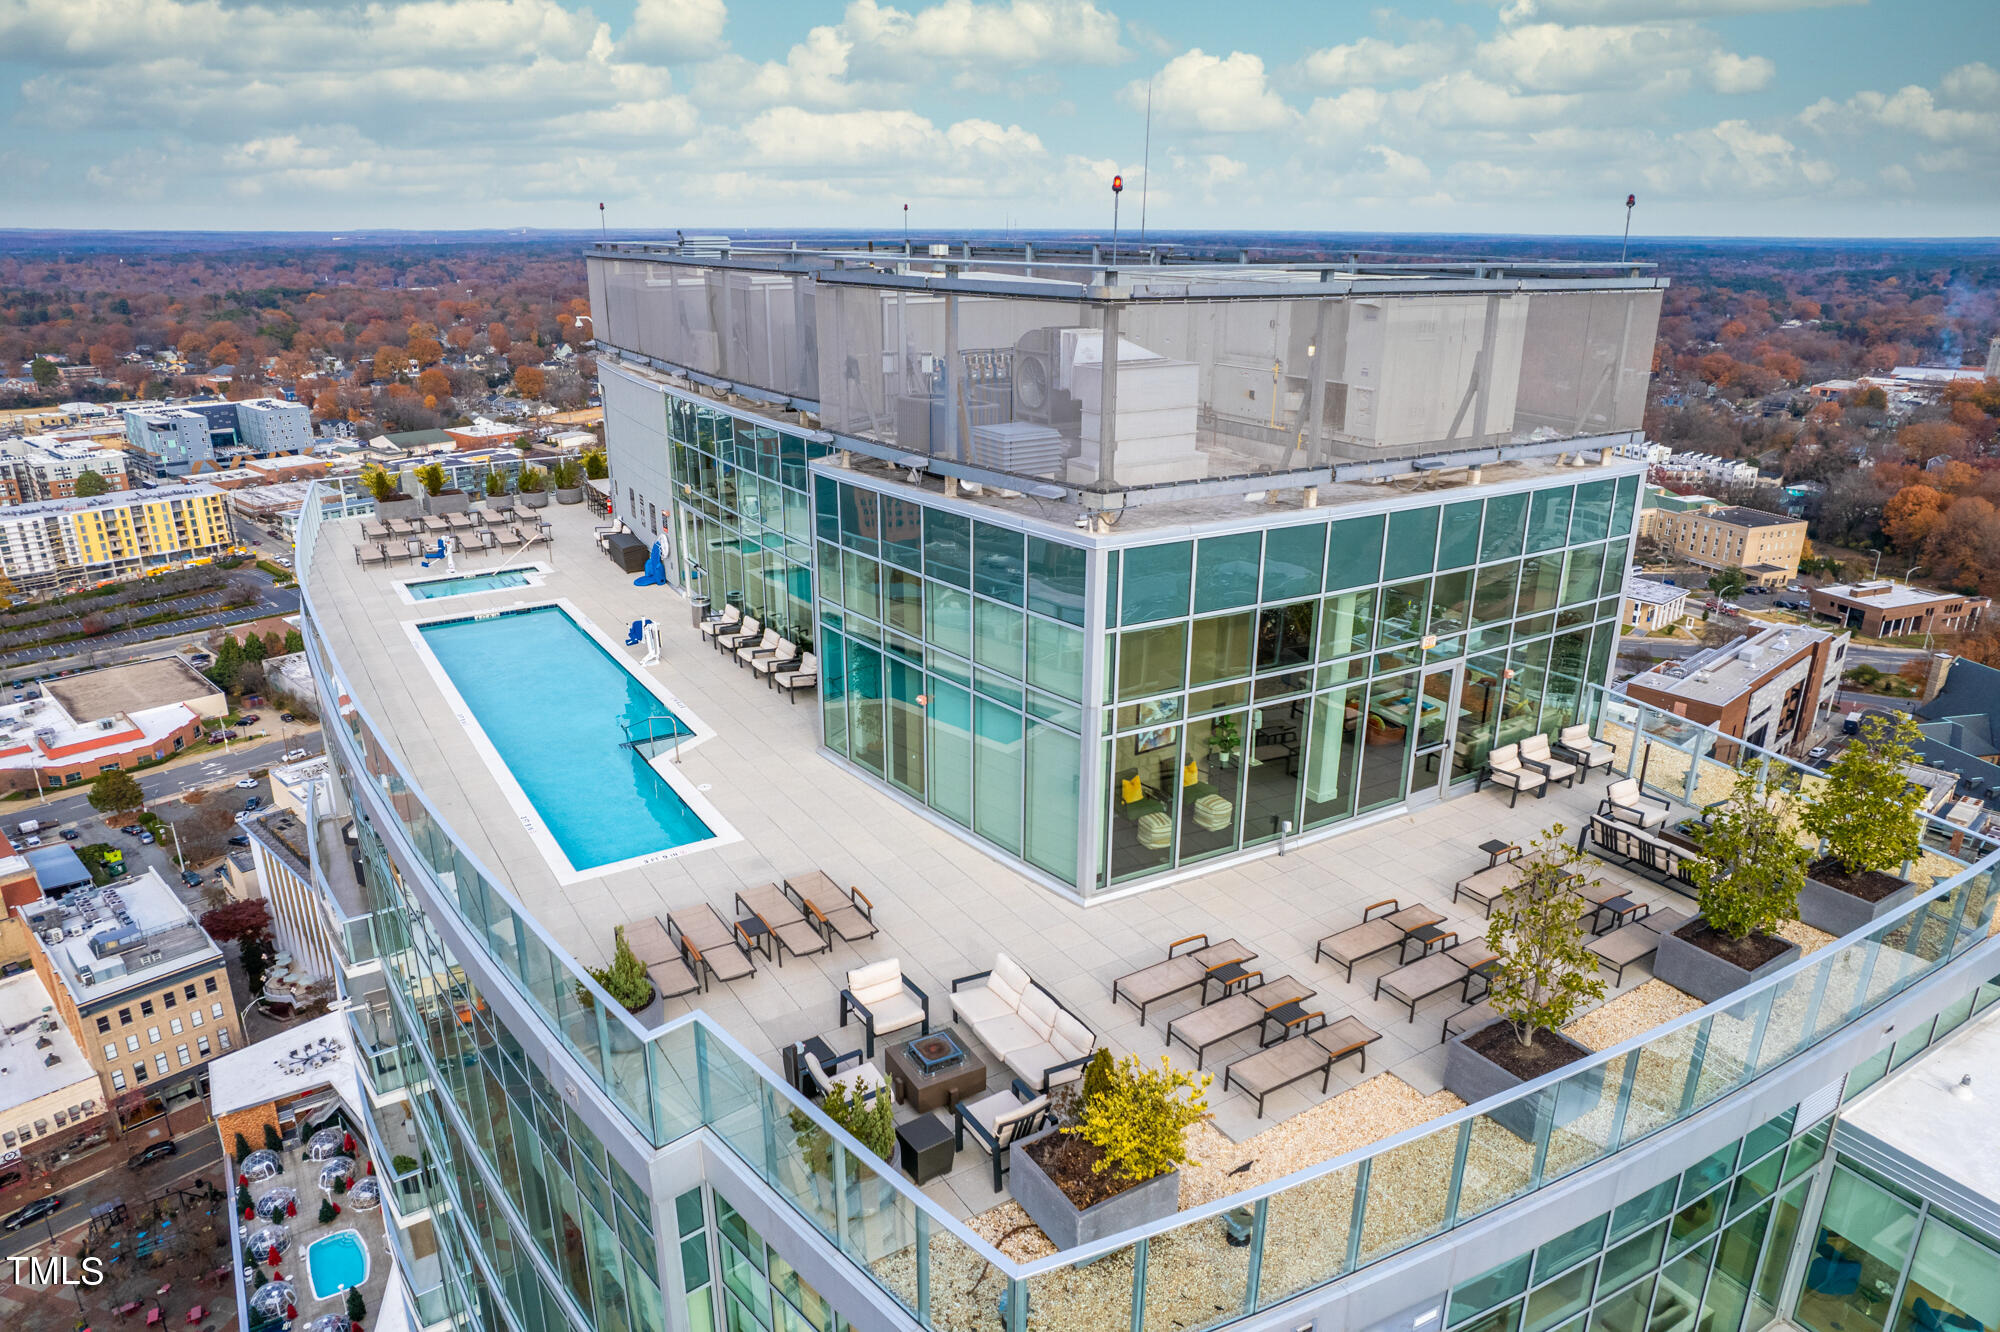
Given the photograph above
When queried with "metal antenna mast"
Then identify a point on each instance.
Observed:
(1146, 163)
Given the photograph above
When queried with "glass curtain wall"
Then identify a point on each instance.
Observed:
(952, 655)
(1885, 1260)
(744, 514)
(1310, 673)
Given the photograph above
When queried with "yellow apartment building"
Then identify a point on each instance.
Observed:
(72, 542)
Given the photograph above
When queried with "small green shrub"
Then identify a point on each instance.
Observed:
(1544, 974)
(625, 979)
(402, 1164)
(1139, 1120)
(1751, 867)
(326, 1212)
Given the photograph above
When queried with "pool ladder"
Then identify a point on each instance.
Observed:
(676, 731)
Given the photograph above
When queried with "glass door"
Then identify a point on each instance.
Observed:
(1430, 762)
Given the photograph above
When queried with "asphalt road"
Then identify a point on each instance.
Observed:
(153, 639)
(200, 1156)
(207, 770)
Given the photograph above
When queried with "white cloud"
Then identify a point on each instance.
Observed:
(1466, 101)
(1977, 82)
(1732, 73)
(675, 29)
(1551, 57)
(1597, 11)
(1346, 119)
(1019, 32)
(1909, 110)
(873, 140)
(1214, 94)
(1373, 60)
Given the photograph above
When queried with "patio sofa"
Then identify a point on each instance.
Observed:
(1017, 1018)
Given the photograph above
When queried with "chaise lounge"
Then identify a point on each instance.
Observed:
(1180, 971)
(1357, 943)
(709, 942)
(1434, 973)
(1246, 1011)
(783, 924)
(650, 942)
(848, 913)
(1289, 1061)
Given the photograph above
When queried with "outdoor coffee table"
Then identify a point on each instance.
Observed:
(935, 1071)
(925, 1147)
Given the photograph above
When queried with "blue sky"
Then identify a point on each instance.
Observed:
(1726, 117)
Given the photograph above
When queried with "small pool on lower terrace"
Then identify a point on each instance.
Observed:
(336, 1263)
(560, 711)
(460, 585)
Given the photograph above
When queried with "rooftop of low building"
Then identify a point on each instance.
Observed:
(1719, 674)
(129, 933)
(38, 1056)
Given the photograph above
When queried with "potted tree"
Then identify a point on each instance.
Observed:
(1116, 1163)
(1867, 822)
(387, 491)
(440, 496)
(625, 979)
(497, 497)
(567, 478)
(870, 1119)
(1225, 740)
(533, 487)
(1542, 977)
(1748, 877)
(594, 465)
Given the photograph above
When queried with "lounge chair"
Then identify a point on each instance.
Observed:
(1434, 973)
(1467, 1020)
(1245, 1011)
(879, 994)
(1181, 971)
(1287, 1062)
(717, 949)
(999, 1120)
(784, 659)
(508, 537)
(1664, 920)
(1536, 755)
(1357, 943)
(1578, 746)
(1489, 885)
(805, 677)
(1624, 946)
(373, 531)
(783, 923)
(847, 913)
(434, 522)
(750, 631)
(458, 522)
(1625, 801)
(763, 647)
(726, 622)
(1504, 768)
(665, 966)
(860, 1078)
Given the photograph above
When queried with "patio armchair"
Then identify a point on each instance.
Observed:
(999, 1120)
(879, 994)
(725, 622)
(747, 633)
(1536, 754)
(763, 647)
(847, 913)
(860, 1078)
(783, 659)
(1625, 801)
(805, 677)
(1576, 744)
(1504, 769)
(1022, 1021)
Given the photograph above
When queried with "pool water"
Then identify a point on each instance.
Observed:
(336, 1263)
(464, 584)
(556, 705)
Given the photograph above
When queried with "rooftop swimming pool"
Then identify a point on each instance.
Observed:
(433, 589)
(337, 1262)
(558, 709)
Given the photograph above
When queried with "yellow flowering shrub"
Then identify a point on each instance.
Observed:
(1138, 1117)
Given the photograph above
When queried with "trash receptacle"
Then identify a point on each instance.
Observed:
(699, 605)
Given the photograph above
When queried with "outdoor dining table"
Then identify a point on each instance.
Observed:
(128, 1307)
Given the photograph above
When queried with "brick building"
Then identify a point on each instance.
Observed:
(1766, 546)
(1885, 608)
(1772, 689)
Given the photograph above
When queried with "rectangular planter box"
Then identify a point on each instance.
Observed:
(1825, 907)
(399, 508)
(1696, 971)
(450, 501)
(1068, 1226)
(1472, 1077)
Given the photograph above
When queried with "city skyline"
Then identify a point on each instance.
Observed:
(1725, 117)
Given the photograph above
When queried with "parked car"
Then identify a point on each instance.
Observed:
(69, 834)
(1818, 752)
(247, 719)
(246, 784)
(294, 755)
(239, 840)
(33, 841)
(159, 1151)
(34, 1211)
(146, 838)
(252, 803)
(190, 878)
(131, 830)
(286, 717)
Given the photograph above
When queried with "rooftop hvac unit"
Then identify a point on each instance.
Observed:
(54, 936)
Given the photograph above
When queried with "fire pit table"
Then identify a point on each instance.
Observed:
(935, 1071)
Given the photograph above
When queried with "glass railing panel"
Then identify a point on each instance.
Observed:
(1789, 1024)
(878, 1228)
(1307, 1235)
(1408, 1188)
(1196, 1277)
(1726, 1056)
(1094, 1294)
(625, 1073)
(1585, 1123)
(1499, 1158)
(965, 1290)
(1840, 997)
(1659, 1083)
(677, 1081)
(801, 1160)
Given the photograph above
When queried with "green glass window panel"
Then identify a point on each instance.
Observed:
(1286, 635)
(949, 732)
(1755, 1184)
(950, 620)
(1055, 657)
(731, 1223)
(1485, 640)
(1910, 1044)
(905, 592)
(1054, 800)
(1446, 649)
(1451, 602)
(1580, 581)
(948, 547)
(694, 1261)
(1111, 590)
(1863, 1225)
(1407, 659)
(1354, 553)
(1954, 1283)
(1625, 1311)
(902, 532)
(1572, 616)
(1404, 607)
(833, 690)
(745, 1282)
(1591, 520)
(1458, 535)
(1055, 710)
(1806, 1150)
(1548, 519)
(1156, 713)
(1226, 571)
(1222, 696)
(1771, 1133)
(1570, 1248)
(1617, 556)
(1550, 1304)
(1952, 1015)
(1493, 593)
(1621, 507)
(862, 593)
(1487, 1289)
(996, 776)
(1706, 1173)
(1412, 546)
(1152, 661)
(826, 508)
(909, 649)
(1221, 647)
(860, 520)
(687, 1212)
(1866, 1074)
(1156, 582)
(999, 568)
(1506, 521)
(999, 688)
(999, 637)
(1055, 579)
(829, 573)
(1294, 559)
(1648, 1207)
(1500, 1320)
(1346, 624)
(1735, 1270)
(1696, 1221)
(1541, 584)
(1638, 1254)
